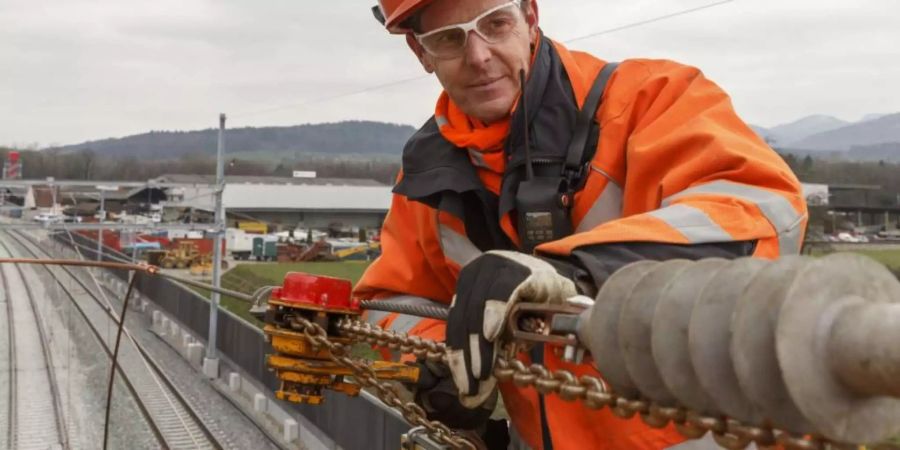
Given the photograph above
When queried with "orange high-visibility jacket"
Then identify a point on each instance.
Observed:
(674, 165)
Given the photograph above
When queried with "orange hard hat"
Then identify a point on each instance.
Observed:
(393, 13)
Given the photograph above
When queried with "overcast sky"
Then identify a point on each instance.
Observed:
(73, 70)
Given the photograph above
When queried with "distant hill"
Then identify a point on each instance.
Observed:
(883, 130)
(873, 138)
(342, 138)
(887, 152)
(792, 132)
(789, 133)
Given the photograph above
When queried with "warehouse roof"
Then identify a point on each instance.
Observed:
(243, 179)
(285, 197)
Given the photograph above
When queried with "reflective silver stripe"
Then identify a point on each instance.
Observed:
(693, 223)
(456, 247)
(440, 121)
(374, 317)
(403, 323)
(705, 443)
(478, 158)
(777, 209)
(608, 205)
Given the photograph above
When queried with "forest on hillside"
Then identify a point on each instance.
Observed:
(89, 165)
(340, 138)
(884, 174)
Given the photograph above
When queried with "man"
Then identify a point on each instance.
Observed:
(535, 193)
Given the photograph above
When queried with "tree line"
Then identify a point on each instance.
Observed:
(88, 165)
(882, 173)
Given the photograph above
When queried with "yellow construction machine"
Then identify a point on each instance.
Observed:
(184, 255)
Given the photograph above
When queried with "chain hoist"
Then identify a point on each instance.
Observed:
(796, 327)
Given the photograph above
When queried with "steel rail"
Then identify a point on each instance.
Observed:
(122, 375)
(11, 382)
(153, 370)
(160, 374)
(256, 423)
(56, 398)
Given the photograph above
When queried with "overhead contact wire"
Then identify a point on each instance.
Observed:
(390, 84)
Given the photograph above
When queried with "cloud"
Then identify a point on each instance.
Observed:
(85, 69)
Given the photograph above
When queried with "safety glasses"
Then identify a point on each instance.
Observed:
(494, 26)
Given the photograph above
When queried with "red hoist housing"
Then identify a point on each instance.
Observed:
(306, 371)
(316, 293)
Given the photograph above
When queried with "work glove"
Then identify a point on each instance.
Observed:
(486, 290)
(436, 393)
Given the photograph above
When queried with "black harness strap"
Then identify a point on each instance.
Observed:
(544, 202)
(574, 168)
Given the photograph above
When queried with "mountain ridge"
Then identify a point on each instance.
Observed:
(337, 138)
(875, 132)
(873, 137)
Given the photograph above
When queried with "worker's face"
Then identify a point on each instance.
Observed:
(483, 79)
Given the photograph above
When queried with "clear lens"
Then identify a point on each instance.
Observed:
(493, 26)
(497, 26)
(445, 43)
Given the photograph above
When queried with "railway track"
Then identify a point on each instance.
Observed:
(170, 416)
(34, 394)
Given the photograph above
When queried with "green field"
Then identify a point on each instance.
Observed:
(249, 277)
(890, 258)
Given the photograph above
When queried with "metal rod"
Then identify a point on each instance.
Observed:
(115, 359)
(219, 290)
(863, 347)
(100, 230)
(427, 311)
(150, 270)
(434, 312)
(217, 242)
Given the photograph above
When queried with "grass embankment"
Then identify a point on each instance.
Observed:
(890, 258)
(249, 277)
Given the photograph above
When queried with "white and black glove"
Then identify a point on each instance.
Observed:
(486, 290)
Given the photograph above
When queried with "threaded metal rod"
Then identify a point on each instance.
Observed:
(429, 312)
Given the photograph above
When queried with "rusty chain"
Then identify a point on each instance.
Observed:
(594, 394)
(591, 391)
(365, 375)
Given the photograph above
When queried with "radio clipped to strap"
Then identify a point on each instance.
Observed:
(543, 203)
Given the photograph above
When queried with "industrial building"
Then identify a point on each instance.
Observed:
(284, 203)
(851, 207)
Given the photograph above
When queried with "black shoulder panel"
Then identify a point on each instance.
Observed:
(432, 165)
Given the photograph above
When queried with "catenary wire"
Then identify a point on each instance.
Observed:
(383, 86)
